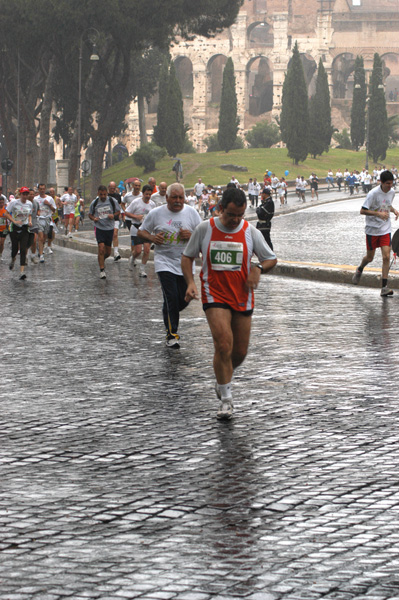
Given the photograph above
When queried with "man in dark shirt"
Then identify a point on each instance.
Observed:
(265, 212)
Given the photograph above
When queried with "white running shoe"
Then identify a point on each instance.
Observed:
(385, 291)
(226, 409)
(117, 256)
(70, 235)
(142, 271)
(103, 275)
(41, 259)
(172, 340)
(34, 259)
(356, 277)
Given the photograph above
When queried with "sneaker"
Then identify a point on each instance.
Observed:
(386, 291)
(225, 411)
(117, 257)
(132, 263)
(103, 275)
(34, 259)
(142, 272)
(69, 235)
(11, 265)
(172, 340)
(22, 276)
(41, 259)
(49, 251)
(356, 277)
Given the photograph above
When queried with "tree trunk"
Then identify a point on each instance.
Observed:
(97, 159)
(45, 124)
(73, 157)
(30, 153)
(142, 123)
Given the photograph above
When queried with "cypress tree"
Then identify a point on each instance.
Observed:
(378, 118)
(176, 131)
(228, 120)
(358, 112)
(294, 119)
(320, 130)
(161, 128)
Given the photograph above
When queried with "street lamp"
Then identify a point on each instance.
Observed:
(93, 36)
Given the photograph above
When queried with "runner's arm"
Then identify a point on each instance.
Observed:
(187, 269)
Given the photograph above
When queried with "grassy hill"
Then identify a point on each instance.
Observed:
(257, 160)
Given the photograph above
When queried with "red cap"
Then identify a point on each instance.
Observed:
(24, 189)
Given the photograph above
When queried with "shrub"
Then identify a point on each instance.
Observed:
(212, 143)
(147, 155)
(343, 140)
(263, 135)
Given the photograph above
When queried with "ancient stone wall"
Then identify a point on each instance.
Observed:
(260, 44)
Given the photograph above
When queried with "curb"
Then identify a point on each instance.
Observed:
(310, 271)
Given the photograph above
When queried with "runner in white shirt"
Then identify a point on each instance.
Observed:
(377, 208)
(68, 201)
(192, 200)
(47, 207)
(330, 180)
(346, 175)
(199, 188)
(339, 178)
(128, 199)
(281, 190)
(275, 184)
(302, 188)
(19, 212)
(159, 197)
(136, 211)
(256, 191)
(169, 227)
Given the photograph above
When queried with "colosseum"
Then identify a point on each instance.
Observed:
(260, 44)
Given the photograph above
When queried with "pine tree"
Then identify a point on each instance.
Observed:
(176, 131)
(320, 130)
(358, 112)
(161, 128)
(378, 118)
(294, 120)
(228, 120)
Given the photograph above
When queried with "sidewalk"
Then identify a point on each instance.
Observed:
(84, 241)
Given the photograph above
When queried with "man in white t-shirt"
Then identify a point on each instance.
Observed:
(169, 227)
(68, 201)
(377, 208)
(136, 211)
(199, 188)
(159, 197)
(191, 200)
(128, 198)
(47, 207)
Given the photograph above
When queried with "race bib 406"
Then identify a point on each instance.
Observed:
(226, 256)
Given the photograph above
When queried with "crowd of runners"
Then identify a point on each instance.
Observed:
(165, 218)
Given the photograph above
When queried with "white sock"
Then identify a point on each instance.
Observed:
(116, 250)
(225, 390)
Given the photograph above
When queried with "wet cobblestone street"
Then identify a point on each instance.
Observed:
(117, 481)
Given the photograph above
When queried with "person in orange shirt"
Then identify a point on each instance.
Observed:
(228, 279)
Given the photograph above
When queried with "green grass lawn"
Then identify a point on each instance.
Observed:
(257, 160)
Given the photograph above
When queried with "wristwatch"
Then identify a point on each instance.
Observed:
(261, 268)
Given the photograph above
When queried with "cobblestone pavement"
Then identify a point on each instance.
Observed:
(118, 482)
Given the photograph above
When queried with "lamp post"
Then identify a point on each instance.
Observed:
(94, 57)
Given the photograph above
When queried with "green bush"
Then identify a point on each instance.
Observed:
(263, 135)
(212, 143)
(188, 147)
(343, 140)
(147, 155)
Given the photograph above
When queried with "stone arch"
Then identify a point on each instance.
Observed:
(259, 85)
(260, 33)
(215, 69)
(184, 74)
(390, 62)
(342, 75)
(310, 71)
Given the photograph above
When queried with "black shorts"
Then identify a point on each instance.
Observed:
(4, 233)
(244, 313)
(104, 236)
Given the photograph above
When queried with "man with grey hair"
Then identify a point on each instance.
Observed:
(160, 196)
(169, 227)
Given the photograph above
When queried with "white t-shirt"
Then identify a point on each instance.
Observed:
(338, 174)
(139, 207)
(70, 200)
(167, 256)
(128, 199)
(20, 211)
(192, 200)
(158, 199)
(199, 188)
(45, 210)
(256, 188)
(379, 201)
